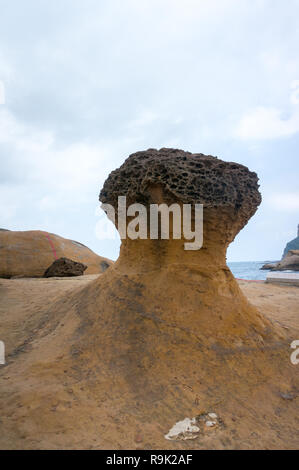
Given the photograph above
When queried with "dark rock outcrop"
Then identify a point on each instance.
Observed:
(65, 267)
(268, 266)
(104, 265)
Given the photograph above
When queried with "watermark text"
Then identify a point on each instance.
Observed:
(156, 221)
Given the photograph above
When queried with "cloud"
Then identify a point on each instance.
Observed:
(288, 202)
(88, 83)
(295, 92)
(8, 206)
(2, 92)
(23, 137)
(264, 123)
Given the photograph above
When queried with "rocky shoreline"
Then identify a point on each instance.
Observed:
(289, 263)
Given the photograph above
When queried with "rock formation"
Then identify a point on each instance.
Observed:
(165, 336)
(229, 193)
(268, 266)
(289, 262)
(292, 245)
(30, 253)
(65, 267)
(289, 259)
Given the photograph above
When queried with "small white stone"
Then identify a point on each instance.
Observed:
(210, 424)
(183, 430)
(213, 415)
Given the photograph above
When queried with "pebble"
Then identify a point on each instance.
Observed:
(210, 424)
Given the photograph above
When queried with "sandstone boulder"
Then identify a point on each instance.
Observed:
(65, 267)
(30, 253)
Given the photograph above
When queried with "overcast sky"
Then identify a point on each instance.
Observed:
(84, 83)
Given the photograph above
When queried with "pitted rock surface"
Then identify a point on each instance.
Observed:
(64, 267)
(185, 177)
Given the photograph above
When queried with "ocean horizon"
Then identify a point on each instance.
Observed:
(250, 270)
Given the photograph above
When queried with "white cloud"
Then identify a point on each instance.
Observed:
(24, 138)
(2, 92)
(284, 201)
(74, 166)
(295, 92)
(264, 123)
(88, 83)
(8, 206)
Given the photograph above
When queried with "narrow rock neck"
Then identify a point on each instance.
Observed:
(219, 229)
(149, 255)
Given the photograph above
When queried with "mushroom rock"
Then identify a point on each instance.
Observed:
(164, 336)
(194, 289)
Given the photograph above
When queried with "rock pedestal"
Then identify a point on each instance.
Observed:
(193, 288)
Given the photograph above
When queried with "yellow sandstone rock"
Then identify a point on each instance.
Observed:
(30, 253)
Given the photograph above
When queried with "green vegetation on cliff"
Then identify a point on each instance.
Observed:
(292, 245)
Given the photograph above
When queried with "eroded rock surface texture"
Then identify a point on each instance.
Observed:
(228, 191)
(65, 267)
(187, 177)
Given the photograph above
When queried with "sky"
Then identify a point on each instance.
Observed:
(85, 83)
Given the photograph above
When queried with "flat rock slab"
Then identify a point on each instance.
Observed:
(283, 278)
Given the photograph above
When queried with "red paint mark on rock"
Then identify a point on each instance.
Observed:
(52, 246)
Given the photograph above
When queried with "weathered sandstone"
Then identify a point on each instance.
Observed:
(30, 253)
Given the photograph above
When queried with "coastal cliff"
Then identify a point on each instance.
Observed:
(292, 245)
(290, 258)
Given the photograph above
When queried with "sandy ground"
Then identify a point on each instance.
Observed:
(279, 303)
(23, 311)
(24, 300)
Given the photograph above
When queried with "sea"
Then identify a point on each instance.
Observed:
(249, 269)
